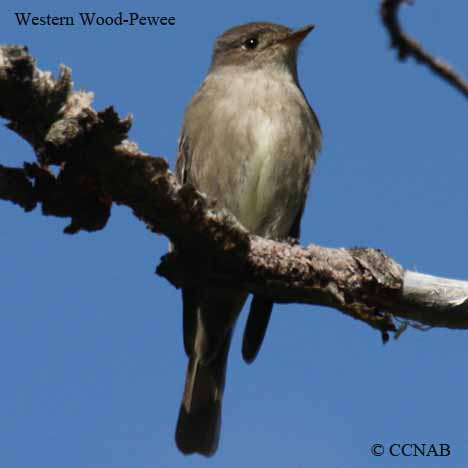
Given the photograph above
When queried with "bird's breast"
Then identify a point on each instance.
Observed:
(277, 154)
(260, 131)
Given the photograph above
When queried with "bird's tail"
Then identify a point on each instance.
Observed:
(199, 423)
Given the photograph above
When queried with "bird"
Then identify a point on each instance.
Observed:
(249, 140)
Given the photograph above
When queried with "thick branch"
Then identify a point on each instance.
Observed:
(407, 46)
(99, 166)
(364, 283)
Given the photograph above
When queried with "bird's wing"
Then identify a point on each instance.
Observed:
(190, 299)
(183, 160)
(256, 326)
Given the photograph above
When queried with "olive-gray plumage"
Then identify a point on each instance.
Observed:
(249, 140)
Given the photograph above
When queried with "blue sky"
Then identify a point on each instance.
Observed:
(91, 350)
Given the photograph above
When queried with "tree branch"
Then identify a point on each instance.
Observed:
(407, 46)
(98, 166)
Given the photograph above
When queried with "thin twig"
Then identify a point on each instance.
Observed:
(407, 46)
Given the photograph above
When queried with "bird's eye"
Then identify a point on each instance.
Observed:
(250, 43)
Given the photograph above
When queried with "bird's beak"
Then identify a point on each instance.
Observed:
(296, 37)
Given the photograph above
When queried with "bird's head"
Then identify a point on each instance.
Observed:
(257, 45)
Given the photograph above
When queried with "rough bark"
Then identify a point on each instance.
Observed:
(99, 166)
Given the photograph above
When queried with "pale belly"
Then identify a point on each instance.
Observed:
(276, 174)
(264, 139)
(262, 207)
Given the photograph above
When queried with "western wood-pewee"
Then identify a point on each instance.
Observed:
(249, 140)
